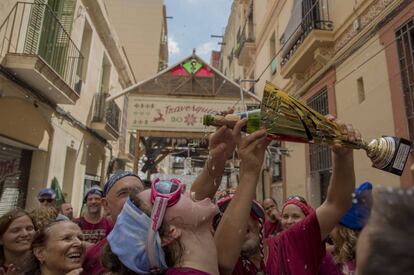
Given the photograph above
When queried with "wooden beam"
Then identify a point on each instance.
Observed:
(169, 134)
(137, 152)
(163, 156)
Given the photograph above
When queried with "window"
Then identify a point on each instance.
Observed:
(405, 45)
(272, 46)
(85, 49)
(105, 75)
(320, 155)
(361, 89)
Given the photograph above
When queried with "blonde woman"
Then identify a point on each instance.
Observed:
(345, 234)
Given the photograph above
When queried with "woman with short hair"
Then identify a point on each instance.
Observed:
(58, 249)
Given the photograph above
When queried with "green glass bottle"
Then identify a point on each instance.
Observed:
(230, 120)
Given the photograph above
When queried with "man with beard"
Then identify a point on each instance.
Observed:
(94, 226)
(66, 209)
(272, 224)
(252, 247)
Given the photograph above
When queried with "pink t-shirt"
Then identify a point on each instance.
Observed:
(93, 233)
(298, 250)
(92, 264)
(184, 270)
(271, 229)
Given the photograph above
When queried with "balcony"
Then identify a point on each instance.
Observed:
(246, 47)
(308, 40)
(106, 117)
(35, 47)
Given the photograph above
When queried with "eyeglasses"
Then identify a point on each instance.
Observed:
(297, 198)
(42, 200)
(164, 193)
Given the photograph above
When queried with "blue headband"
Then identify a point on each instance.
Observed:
(95, 190)
(358, 214)
(116, 177)
(128, 240)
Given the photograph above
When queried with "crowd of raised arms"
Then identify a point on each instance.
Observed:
(161, 228)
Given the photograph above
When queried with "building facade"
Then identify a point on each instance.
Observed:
(60, 61)
(352, 59)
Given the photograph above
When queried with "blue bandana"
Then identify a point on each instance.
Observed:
(116, 177)
(128, 240)
(95, 190)
(358, 214)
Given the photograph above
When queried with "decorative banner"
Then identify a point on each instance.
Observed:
(175, 114)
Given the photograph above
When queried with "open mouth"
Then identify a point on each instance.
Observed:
(75, 256)
(23, 242)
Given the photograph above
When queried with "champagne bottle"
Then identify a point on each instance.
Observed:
(230, 120)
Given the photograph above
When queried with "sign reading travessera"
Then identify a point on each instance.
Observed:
(174, 114)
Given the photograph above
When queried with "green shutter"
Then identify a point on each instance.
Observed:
(34, 27)
(54, 43)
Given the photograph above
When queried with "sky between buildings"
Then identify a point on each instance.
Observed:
(192, 24)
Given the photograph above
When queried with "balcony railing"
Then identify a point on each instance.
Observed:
(35, 30)
(107, 112)
(315, 16)
(246, 35)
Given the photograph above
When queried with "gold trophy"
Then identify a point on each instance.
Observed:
(287, 119)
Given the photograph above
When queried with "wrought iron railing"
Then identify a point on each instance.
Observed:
(315, 16)
(245, 35)
(34, 29)
(107, 112)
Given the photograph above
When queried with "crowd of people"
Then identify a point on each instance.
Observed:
(132, 227)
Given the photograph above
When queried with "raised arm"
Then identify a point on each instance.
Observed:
(221, 147)
(231, 231)
(339, 197)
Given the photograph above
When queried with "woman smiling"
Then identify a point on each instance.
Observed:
(16, 235)
(58, 249)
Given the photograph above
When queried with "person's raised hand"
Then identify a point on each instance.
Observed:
(252, 149)
(77, 271)
(223, 141)
(349, 132)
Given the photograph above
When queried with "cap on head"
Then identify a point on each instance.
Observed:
(256, 211)
(358, 214)
(116, 177)
(46, 192)
(95, 190)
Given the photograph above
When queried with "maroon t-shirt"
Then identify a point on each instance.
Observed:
(92, 264)
(328, 266)
(93, 233)
(271, 229)
(184, 270)
(245, 268)
(298, 250)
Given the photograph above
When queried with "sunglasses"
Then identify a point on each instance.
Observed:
(297, 198)
(48, 200)
(164, 193)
